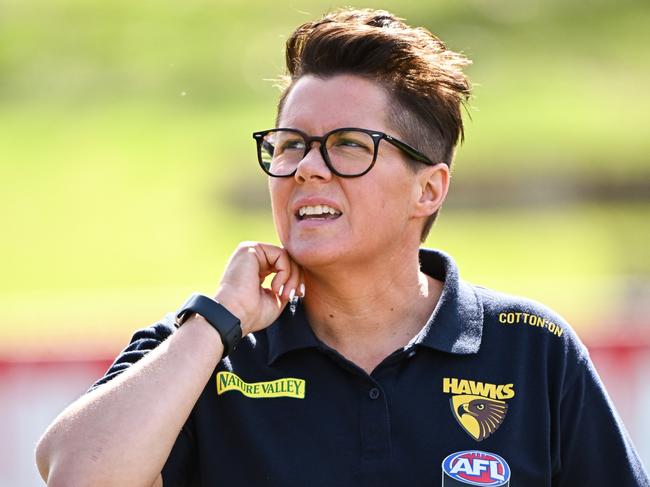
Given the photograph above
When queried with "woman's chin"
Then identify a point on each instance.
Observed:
(311, 255)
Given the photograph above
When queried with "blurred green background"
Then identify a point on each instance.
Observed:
(128, 169)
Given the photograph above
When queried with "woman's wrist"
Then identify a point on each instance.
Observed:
(234, 308)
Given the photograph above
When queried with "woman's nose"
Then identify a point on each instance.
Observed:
(313, 165)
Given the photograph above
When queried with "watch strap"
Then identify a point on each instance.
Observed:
(227, 325)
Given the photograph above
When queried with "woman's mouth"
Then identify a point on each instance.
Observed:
(317, 212)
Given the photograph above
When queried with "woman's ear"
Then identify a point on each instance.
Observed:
(432, 186)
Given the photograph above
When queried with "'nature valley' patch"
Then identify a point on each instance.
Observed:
(284, 387)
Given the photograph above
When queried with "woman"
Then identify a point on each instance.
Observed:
(367, 361)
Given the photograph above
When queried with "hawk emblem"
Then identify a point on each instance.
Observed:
(479, 416)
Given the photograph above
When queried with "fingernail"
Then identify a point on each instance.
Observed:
(302, 289)
(292, 294)
(280, 291)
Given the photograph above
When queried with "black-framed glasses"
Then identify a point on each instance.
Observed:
(348, 152)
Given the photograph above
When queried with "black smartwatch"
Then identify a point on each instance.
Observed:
(222, 320)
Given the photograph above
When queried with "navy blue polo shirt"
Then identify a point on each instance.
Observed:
(494, 390)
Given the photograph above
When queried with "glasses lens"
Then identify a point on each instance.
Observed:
(350, 152)
(281, 151)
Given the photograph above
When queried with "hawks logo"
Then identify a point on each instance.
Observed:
(479, 407)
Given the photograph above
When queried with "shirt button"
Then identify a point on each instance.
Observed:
(373, 393)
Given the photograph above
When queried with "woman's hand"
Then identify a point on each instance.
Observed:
(241, 291)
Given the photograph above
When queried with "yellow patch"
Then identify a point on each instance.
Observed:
(515, 318)
(285, 387)
(463, 386)
(479, 407)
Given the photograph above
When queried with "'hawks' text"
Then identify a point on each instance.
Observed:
(464, 386)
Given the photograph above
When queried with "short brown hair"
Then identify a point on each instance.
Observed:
(423, 78)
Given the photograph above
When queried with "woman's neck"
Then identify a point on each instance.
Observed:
(368, 313)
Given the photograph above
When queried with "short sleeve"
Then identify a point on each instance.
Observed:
(142, 342)
(595, 447)
(180, 469)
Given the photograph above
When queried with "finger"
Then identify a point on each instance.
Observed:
(270, 258)
(301, 287)
(301, 282)
(264, 265)
(293, 283)
(288, 285)
(277, 260)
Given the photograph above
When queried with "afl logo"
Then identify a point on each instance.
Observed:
(475, 467)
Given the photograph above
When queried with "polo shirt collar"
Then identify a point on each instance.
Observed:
(291, 331)
(455, 326)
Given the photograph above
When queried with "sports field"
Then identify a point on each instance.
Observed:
(128, 169)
